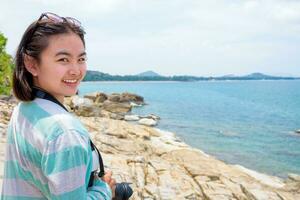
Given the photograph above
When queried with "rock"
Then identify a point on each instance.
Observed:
(129, 97)
(116, 116)
(9, 98)
(263, 178)
(84, 107)
(294, 177)
(77, 101)
(155, 117)
(96, 97)
(148, 122)
(4, 97)
(259, 193)
(115, 103)
(131, 117)
(68, 102)
(151, 116)
(137, 159)
(6, 108)
(101, 98)
(114, 97)
(116, 107)
(88, 111)
(158, 164)
(297, 131)
(135, 105)
(3, 128)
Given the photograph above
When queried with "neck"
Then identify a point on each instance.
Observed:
(43, 94)
(60, 99)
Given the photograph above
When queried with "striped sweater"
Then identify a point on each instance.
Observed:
(48, 156)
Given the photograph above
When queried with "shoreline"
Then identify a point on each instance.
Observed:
(264, 177)
(112, 81)
(283, 178)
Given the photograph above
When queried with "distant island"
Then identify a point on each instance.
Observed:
(148, 73)
(153, 76)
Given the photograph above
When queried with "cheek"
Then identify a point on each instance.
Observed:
(83, 69)
(55, 73)
(59, 70)
(51, 69)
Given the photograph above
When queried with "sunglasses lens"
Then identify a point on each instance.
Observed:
(55, 18)
(52, 17)
(73, 21)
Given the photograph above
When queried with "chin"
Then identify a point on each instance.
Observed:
(71, 93)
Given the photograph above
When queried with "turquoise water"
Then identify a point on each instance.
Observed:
(250, 123)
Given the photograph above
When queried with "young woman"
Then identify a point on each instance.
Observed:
(49, 153)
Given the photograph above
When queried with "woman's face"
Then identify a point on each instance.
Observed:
(62, 65)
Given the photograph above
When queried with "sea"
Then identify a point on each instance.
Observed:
(248, 123)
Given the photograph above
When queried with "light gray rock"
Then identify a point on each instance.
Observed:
(294, 177)
(84, 107)
(135, 104)
(79, 101)
(151, 116)
(131, 117)
(148, 122)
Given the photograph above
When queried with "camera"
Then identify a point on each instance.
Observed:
(123, 191)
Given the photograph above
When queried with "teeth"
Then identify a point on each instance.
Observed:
(70, 81)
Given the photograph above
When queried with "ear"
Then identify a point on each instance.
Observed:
(30, 65)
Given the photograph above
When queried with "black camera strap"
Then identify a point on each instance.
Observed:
(101, 165)
(40, 93)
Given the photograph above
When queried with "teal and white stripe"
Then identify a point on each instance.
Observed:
(48, 156)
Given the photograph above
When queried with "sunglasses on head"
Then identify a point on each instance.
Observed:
(54, 18)
(58, 19)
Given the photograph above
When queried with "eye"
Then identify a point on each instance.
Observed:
(63, 60)
(82, 59)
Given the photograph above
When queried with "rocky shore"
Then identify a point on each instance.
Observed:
(157, 163)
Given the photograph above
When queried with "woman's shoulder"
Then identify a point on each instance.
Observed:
(50, 118)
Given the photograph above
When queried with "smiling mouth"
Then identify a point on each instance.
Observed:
(70, 80)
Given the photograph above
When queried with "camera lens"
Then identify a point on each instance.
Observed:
(123, 191)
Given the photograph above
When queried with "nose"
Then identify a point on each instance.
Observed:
(75, 70)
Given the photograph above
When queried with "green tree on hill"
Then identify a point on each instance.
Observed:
(6, 67)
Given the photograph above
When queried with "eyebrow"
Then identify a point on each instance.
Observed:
(68, 54)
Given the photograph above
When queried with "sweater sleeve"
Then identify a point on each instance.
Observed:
(66, 164)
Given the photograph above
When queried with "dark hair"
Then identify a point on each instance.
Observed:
(33, 42)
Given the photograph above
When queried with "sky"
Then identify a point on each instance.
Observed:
(174, 37)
